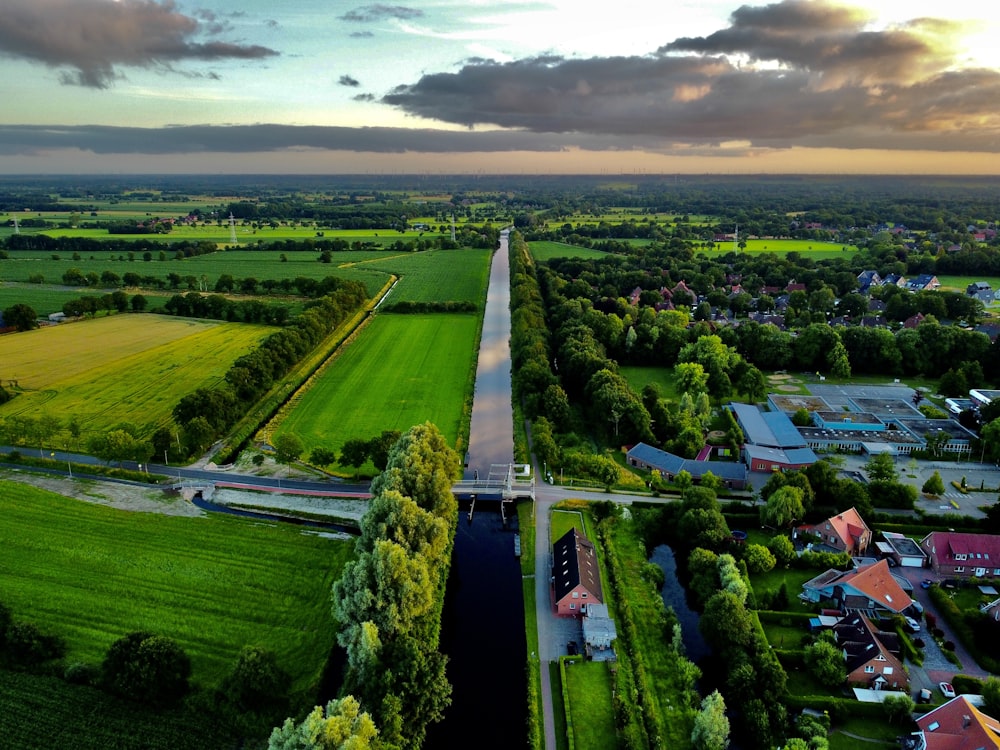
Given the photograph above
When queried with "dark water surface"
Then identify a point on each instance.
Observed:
(675, 596)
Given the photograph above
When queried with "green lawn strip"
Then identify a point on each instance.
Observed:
(562, 519)
(536, 738)
(870, 727)
(558, 706)
(544, 250)
(589, 686)
(214, 584)
(526, 528)
(793, 578)
(667, 701)
(400, 371)
(40, 711)
(44, 300)
(784, 636)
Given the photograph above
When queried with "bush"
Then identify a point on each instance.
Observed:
(257, 682)
(27, 646)
(81, 673)
(147, 668)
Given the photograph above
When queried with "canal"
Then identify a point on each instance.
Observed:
(483, 620)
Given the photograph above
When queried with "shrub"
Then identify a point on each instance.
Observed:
(27, 646)
(147, 668)
(257, 682)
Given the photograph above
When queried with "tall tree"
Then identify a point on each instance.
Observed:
(341, 726)
(20, 316)
(711, 726)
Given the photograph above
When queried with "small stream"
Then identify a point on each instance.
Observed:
(675, 596)
(200, 502)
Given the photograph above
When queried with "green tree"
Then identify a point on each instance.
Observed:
(898, 707)
(991, 696)
(726, 624)
(288, 447)
(379, 448)
(881, 468)
(148, 668)
(703, 567)
(341, 726)
(782, 549)
(759, 559)
(690, 377)
(257, 683)
(826, 663)
(934, 485)
(783, 507)
(354, 453)
(711, 726)
(322, 457)
(22, 317)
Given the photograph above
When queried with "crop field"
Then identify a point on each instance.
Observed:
(437, 275)
(544, 250)
(121, 368)
(43, 299)
(42, 711)
(401, 370)
(214, 584)
(258, 264)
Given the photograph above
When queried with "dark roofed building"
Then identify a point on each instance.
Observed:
(575, 574)
(642, 456)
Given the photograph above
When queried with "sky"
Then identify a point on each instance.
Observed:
(521, 87)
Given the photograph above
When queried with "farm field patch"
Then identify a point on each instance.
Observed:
(808, 248)
(214, 584)
(401, 370)
(543, 250)
(436, 275)
(119, 368)
(44, 300)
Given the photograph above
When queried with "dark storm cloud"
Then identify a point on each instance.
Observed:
(364, 98)
(95, 38)
(361, 35)
(346, 80)
(28, 139)
(379, 12)
(829, 81)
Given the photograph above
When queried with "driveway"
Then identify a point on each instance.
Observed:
(937, 667)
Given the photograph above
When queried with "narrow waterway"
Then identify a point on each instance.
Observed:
(483, 621)
(675, 596)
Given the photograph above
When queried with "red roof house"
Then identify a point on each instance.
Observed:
(844, 532)
(963, 555)
(576, 576)
(958, 725)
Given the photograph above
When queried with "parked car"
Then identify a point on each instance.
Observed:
(926, 583)
(946, 689)
(924, 696)
(912, 624)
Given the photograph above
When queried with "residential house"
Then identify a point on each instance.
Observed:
(957, 725)
(576, 576)
(925, 282)
(913, 321)
(962, 555)
(870, 587)
(876, 306)
(894, 279)
(872, 656)
(844, 532)
(981, 290)
(868, 279)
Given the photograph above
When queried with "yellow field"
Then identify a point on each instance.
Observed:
(122, 368)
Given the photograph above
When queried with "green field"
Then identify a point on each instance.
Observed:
(44, 300)
(961, 283)
(91, 574)
(41, 711)
(240, 264)
(400, 371)
(808, 248)
(544, 250)
(120, 368)
(639, 377)
(436, 275)
(590, 686)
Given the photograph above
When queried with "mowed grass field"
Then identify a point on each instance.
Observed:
(544, 250)
(401, 370)
(436, 275)
(807, 248)
(120, 368)
(214, 584)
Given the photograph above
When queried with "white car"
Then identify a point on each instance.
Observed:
(912, 624)
(946, 689)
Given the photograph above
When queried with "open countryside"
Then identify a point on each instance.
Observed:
(122, 368)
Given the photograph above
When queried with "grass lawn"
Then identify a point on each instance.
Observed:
(526, 528)
(639, 377)
(786, 636)
(44, 300)
(807, 248)
(543, 250)
(880, 730)
(91, 574)
(590, 685)
(793, 580)
(558, 706)
(119, 368)
(399, 371)
(564, 520)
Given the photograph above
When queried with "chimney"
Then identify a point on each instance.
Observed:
(966, 721)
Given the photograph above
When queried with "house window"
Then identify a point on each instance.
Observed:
(996, 571)
(960, 556)
(572, 605)
(584, 595)
(576, 594)
(869, 669)
(960, 569)
(887, 670)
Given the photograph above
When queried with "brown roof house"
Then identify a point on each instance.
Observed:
(872, 656)
(957, 725)
(870, 587)
(963, 555)
(576, 576)
(844, 532)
